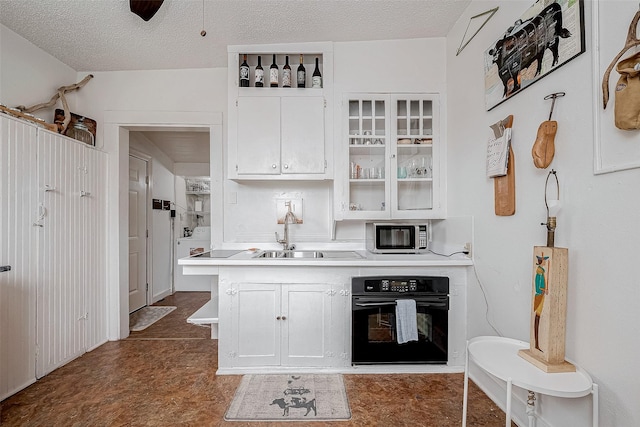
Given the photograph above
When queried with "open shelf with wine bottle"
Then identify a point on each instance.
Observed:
(302, 68)
(278, 122)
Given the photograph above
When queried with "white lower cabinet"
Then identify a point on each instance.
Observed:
(288, 325)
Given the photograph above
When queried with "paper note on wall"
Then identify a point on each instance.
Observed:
(498, 154)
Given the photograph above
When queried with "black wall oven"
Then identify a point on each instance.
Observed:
(374, 333)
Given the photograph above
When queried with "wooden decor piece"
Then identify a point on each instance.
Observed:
(16, 113)
(544, 146)
(60, 94)
(549, 310)
(504, 187)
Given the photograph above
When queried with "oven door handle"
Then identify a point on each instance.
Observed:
(374, 304)
(383, 304)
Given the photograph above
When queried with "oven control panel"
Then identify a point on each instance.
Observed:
(396, 286)
(400, 284)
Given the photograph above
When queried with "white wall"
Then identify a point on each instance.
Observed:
(29, 76)
(598, 221)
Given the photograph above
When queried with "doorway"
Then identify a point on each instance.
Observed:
(117, 126)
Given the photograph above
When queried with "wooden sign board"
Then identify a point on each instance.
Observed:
(549, 310)
(504, 187)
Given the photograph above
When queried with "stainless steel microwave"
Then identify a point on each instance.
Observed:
(396, 238)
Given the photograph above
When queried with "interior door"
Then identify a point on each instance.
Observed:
(138, 188)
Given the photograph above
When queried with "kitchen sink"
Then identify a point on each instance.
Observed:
(290, 254)
(282, 254)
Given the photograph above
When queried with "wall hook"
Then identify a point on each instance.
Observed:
(554, 96)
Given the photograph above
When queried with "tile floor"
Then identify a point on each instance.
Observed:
(165, 376)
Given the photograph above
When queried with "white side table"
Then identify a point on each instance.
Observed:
(499, 357)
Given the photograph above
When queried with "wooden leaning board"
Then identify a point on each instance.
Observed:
(504, 187)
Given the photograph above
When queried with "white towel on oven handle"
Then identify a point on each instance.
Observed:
(406, 321)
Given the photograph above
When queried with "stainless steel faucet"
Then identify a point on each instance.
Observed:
(289, 218)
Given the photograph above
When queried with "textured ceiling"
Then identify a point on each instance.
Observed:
(103, 35)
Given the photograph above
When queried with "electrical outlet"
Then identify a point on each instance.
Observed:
(467, 249)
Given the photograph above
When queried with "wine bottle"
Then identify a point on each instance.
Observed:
(316, 78)
(273, 73)
(259, 73)
(286, 73)
(244, 72)
(302, 74)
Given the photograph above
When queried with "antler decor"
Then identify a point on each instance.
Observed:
(59, 95)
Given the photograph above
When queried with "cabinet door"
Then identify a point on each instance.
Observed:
(258, 145)
(366, 121)
(94, 241)
(302, 135)
(255, 328)
(61, 286)
(306, 330)
(18, 248)
(415, 189)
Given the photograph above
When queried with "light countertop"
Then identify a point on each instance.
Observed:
(333, 256)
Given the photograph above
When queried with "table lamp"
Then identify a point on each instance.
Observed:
(549, 297)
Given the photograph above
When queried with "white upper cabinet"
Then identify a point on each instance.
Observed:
(280, 132)
(392, 158)
(302, 137)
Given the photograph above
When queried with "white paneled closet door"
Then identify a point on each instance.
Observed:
(18, 248)
(62, 313)
(95, 247)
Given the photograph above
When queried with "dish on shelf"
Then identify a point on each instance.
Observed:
(423, 141)
(404, 141)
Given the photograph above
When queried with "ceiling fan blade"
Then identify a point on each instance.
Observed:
(145, 9)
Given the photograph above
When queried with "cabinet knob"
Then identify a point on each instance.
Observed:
(284, 317)
(273, 166)
(286, 166)
(278, 318)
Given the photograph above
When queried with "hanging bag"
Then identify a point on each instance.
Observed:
(627, 94)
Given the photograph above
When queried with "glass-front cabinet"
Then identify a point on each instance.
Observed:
(395, 157)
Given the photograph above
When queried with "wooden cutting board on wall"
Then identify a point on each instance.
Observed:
(504, 187)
